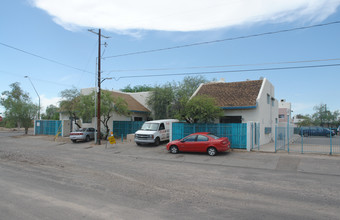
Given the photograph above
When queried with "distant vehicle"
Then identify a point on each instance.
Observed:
(82, 134)
(335, 130)
(316, 131)
(203, 142)
(153, 132)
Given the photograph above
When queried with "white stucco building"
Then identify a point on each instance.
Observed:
(251, 101)
(136, 104)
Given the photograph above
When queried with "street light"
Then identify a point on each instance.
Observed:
(35, 92)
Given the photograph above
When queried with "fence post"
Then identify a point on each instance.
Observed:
(258, 139)
(302, 143)
(288, 135)
(275, 137)
(330, 135)
(252, 135)
(284, 139)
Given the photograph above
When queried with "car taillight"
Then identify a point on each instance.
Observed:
(76, 133)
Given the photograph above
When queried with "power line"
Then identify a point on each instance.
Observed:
(229, 71)
(219, 66)
(222, 40)
(35, 79)
(44, 58)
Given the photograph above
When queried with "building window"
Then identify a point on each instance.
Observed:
(138, 119)
(281, 116)
(268, 99)
(231, 119)
(273, 102)
(87, 120)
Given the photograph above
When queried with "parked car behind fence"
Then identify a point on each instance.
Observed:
(316, 131)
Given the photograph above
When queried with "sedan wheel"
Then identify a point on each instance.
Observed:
(174, 149)
(212, 151)
(87, 138)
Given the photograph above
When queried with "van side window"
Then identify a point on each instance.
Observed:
(161, 127)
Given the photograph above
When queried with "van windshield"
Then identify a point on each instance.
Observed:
(150, 127)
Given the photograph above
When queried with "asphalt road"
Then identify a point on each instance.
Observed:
(13, 133)
(43, 179)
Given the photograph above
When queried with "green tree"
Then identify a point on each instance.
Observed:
(52, 113)
(143, 88)
(110, 105)
(85, 108)
(306, 120)
(160, 101)
(70, 103)
(169, 100)
(183, 91)
(201, 109)
(324, 117)
(19, 108)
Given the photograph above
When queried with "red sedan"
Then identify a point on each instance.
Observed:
(199, 142)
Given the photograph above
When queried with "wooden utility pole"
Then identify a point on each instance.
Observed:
(98, 94)
(99, 83)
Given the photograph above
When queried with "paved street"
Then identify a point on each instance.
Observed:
(44, 179)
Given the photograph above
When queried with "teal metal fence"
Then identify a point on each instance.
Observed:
(123, 128)
(236, 133)
(47, 127)
(306, 140)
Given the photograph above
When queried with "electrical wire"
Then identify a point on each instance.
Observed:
(44, 58)
(229, 71)
(220, 66)
(35, 79)
(222, 40)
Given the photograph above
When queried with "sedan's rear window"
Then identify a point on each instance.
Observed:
(213, 136)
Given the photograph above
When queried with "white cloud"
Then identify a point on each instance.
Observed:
(45, 102)
(303, 108)
(127, 16)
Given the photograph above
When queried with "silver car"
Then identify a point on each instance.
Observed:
(82, 134)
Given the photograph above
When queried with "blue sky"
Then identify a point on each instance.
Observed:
(57, 32)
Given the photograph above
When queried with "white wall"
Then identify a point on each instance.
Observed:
(141, 97)
(264, 113)
(267, 113)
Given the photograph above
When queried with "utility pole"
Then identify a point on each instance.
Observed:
(99, 82)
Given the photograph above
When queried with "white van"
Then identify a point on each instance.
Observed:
(153, 132)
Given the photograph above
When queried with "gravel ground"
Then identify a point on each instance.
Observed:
(46, 179)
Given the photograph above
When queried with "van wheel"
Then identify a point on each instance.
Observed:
(157, 141)
(212, 151)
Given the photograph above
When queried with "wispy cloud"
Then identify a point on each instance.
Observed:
(131, 16)
(45, 102)
(303, 108)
